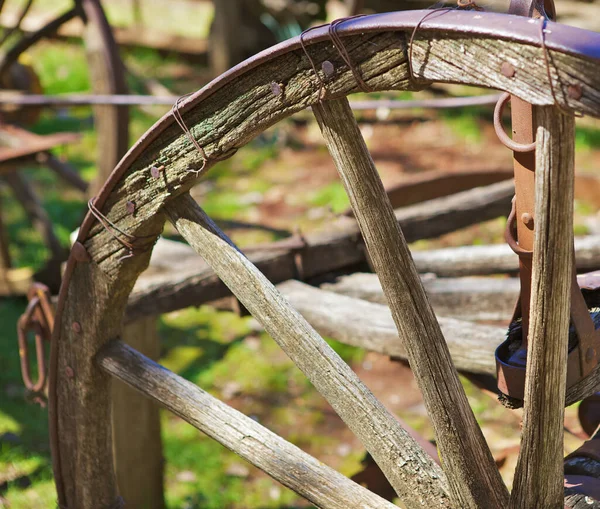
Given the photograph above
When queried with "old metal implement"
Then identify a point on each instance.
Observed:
(511, 355)
(38, 319)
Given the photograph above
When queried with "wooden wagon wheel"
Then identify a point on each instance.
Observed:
(106, 75)
(396, 51)
(111, 122)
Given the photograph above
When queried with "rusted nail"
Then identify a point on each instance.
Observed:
(130, 207)
(507, 69)
(76, 326)
(276, 88)
(155, 171)
(80, 252)
(590, 354)
(69, 372)
(328, 68)
(575, 91)
(527, 219)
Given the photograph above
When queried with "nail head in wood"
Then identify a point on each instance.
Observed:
(130, 207)
(276, 88)
(76, 327)
(80, 252)
(328, 68)
(507, 69)
(575, 91)
(155, 171)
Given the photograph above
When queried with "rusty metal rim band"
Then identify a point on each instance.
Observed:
(563, 38)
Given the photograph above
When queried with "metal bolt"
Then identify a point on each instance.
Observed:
(328, 68)
(130, 207)
(276, 88)
(527, 219)
(590, 354)
(155, 171)
(507, 69)
(575, 91)
(69, 372)
(76, 326)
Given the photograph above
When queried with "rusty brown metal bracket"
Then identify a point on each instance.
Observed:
(511, 362)
(38, 319)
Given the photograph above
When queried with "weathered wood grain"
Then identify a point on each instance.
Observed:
(495, 259)
(539, 473)
(137, 442)
(283, 461)
(415, 477)
(342, 248)
(468, 298)
(458, 436)
(370, 326)
(230, 113)
(223, 117)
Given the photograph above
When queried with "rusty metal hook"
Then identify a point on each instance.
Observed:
(38, 319)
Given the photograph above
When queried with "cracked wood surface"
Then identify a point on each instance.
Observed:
(417, 479)
(340, 249)
(224, 116)
(458, 436)
(539, 473)
(282, 460)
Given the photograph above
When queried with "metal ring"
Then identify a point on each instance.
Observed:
(509, 237)
(502, 136)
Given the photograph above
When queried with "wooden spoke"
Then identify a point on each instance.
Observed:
(137, 442)
(458, 435)
(321, 253)
(415, 477)
(539, 474)
(12, 55)
(283, 461)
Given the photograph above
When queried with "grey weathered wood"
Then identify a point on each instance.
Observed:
(468, 298)
(458, 435)
(219, 128)
(415, 477)
(283, 461)
(223, 117)
(340, 249)
(539, 473)
(137, 439)
(370, 326)
(495, 259)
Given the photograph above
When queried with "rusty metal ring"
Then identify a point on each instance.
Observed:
(509, 237)
(502, 136)
(25, 326)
